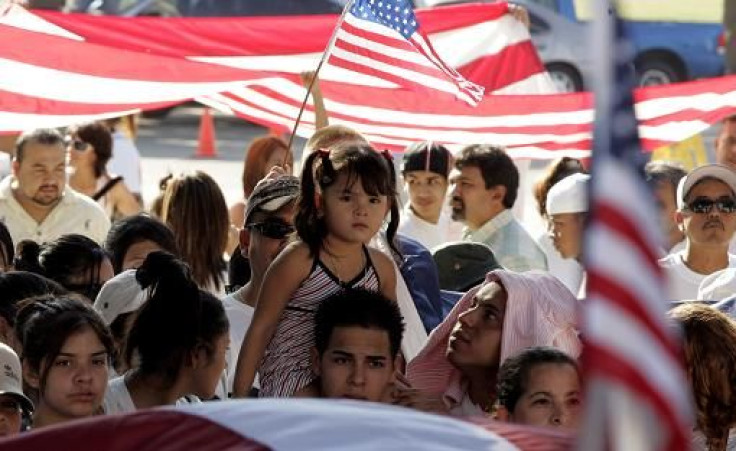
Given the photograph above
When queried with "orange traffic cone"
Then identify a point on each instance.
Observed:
(206, 146)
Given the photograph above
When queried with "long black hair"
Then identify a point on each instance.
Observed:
(359, 161)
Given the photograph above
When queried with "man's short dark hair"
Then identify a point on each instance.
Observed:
(358, 308)
(660, 171)
(45, 136)
(513, 376)
(496, 167)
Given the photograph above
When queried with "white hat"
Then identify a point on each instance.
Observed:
(716, 171)
(718, 285)
(119, 295)
(569, 195)
(11, 382)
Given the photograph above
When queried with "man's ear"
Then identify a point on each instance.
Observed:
(315, 361)
(679, 217)
(31, 377)
(502, 414)
(498, 193)
(244, 239)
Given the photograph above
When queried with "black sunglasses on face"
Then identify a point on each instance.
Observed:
(703, 205)
(76, 144)
(275, 230)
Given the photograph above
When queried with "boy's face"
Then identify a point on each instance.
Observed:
(357, 364)
(426, 193)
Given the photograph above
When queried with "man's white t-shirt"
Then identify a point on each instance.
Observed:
(118, 399)
(683, 282)
(240, 315)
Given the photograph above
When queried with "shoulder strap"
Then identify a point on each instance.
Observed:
(105, 189)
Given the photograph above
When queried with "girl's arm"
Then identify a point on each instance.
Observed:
(283, 277)
(386, 273)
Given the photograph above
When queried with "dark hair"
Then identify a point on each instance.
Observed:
(64, 260)
(7, 249)
(44, 136)
(16, 286)
(360, 162)
(176, 319)
(195, 210)
(358, 308)
(659, 171)
(134, 229)
(259, 151)
(558, 170)
(513, 375)
(427, 156)
(44, 325)
(495, 166)
(98, 135)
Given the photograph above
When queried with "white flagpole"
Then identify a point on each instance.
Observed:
(324, 58)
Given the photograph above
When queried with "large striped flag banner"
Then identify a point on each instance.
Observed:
(383, 38)
(483, 42)
(637, 396)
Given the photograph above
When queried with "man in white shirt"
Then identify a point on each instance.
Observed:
(484, 188)
(706, 213)
(425, 169)
(35, 201)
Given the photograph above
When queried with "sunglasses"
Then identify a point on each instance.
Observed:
(76, 144)
(703, 205)
(275, 230)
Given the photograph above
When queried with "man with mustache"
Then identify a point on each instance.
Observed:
(706, 214)
(485, 183)
(35, 201)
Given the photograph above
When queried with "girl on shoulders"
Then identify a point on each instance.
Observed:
(346, 195)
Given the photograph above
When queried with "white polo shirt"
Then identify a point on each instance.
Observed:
(75, 213)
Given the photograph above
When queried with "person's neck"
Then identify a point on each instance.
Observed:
(483, 220)
(706, 260)
(433, 217)
(152, 390)
(248, 294)
(339, 249)
(35, 210)
(83, 180)
(481, 386)
(45, 416)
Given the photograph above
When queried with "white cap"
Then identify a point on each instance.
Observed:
(569, 195)
(716, 171)
(11, 382)
(119, 295)
(718, 285)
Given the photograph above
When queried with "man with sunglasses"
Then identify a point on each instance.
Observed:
(36, 203)
(706, 214)
(269, 222)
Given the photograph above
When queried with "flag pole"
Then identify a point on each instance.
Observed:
(325, 55)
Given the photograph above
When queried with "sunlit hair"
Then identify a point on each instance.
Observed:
(556, 171)
(258, 153)
(710, 361)
(327, 137)
(360, 162)
(195, 210)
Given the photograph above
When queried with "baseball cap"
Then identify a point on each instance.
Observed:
(271, 193)
(569, 195)
(11, 382)
(119, 295)
(462, 265)
(427, 156)
(716, 171)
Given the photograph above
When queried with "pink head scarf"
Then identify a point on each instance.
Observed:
(540, 311)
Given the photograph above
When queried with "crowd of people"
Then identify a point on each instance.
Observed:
(323, 285)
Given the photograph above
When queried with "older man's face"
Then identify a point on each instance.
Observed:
(714, 227)
(42, 173)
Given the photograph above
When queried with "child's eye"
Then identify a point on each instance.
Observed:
(375, 200)
(541, 402)
(376, 364)
(101, 361)
(63, 362)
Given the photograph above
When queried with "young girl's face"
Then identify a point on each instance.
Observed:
(77, 377)
(351, 214)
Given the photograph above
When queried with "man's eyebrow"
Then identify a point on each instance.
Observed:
(377, 357)
(341, 353)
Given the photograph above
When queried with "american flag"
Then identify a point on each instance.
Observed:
(383, 38)
(47, 78)
(637, 395)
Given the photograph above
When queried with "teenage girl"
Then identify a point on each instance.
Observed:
(177, 344)
(346, 195)
(66, 355)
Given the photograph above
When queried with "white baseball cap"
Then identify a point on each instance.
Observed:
(11, 377)
(569, 195)
(716, 171)
(119, 295)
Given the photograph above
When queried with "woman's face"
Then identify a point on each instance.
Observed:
(209, 367)
(475, 340)
(137, 253)
(551, 397)
(77, 378)
(80, 152)
(86, 286)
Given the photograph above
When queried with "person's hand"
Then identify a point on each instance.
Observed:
(307, 77)
(278, 171)
(521, 14)
(420, 400)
